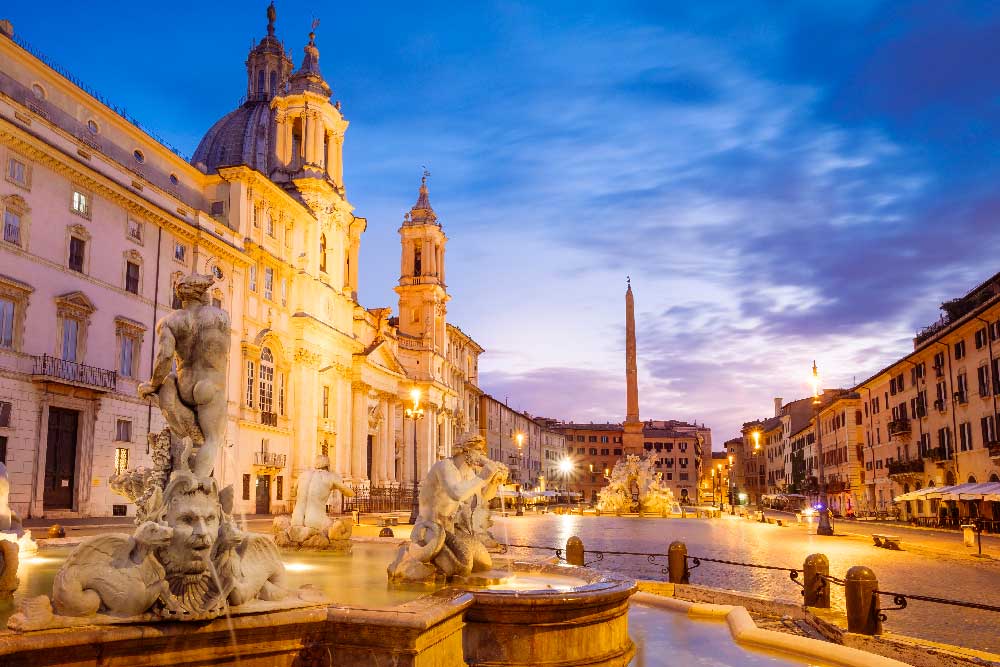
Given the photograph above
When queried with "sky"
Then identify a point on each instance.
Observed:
(782, 181)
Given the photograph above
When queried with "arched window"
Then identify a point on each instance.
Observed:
(972, 479)
(322, 253)
(260, 82)
(266, 395)
(995, 478)
(274, 83)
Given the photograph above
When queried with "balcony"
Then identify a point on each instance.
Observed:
(269, 418)
(939, 405)
(269, 460)
(961, 397)
(906, 468)
(994, 449)
(12, 233)
(52, 369)
(899, 427)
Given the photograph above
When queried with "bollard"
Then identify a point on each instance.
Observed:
(860, 586)
(677, 568)
(55, 530)
(814, 587)
(386, 532)
(574, 551)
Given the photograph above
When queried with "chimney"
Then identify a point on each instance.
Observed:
(777, 406)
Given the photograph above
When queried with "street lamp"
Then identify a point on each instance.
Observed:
(824, 528)
(416, 413)
(731, 479)
(718, 466)
(520, 455)
(566, 467)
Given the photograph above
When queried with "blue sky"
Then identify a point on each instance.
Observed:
(783, 181)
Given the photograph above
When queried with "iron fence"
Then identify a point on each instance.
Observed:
(370, 499)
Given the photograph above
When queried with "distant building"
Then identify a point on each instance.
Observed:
(528, 445)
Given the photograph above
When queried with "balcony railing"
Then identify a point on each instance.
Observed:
(906, 467)
(994, 449)
(12, 233)
(269, 459)
(936, 454)
(899, 427)
(961, 397)
(940, 405)
(60, 370)
(269, 418)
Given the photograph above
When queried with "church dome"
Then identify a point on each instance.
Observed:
(241, 137)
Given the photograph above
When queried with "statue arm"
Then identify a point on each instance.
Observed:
(164, 356)
(458, 489)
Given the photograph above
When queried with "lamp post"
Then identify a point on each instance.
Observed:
(756, 450)
(730, 477)
(824, 528)
(520, 457)
(416, 413)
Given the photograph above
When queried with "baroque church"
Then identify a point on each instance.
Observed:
(263, 207)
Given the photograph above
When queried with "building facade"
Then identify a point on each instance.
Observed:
(529, 446)
(100, 221)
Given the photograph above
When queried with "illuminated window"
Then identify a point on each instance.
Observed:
(121, 460)
(250, 377)
(266, 380)
(123, 430)
(80, 203)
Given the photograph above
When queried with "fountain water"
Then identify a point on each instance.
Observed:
(635, 486)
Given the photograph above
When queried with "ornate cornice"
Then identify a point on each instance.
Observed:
(306, 357)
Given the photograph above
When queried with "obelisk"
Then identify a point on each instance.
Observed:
(632, 438)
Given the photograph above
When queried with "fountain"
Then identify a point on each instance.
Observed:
(309, 527)
(10, 523)
(634, 486)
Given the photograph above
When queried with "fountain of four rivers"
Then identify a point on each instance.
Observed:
(191, 587)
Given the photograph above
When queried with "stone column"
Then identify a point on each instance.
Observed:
(389, 453)
(427, 448)
(286, 153)
(338, 160)
(318, 135)
(359, 431)
(308, 128)
(279, 137)
(331, 156)
(341, 409)
(304, 411)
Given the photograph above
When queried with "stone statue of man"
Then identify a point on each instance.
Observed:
(443, 542)
(313, 491)
(193, 397)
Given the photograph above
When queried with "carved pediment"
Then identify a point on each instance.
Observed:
(380, 355)
(74, 304)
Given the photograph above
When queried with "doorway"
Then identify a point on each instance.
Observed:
(60, 459)
(371, 443)
(263, 494)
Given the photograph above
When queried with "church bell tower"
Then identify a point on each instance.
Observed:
(422, 290)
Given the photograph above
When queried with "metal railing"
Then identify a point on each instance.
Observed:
(269, 418)
(899, 427)
(12, 233)
(369, 499)
(904, 467)
(73, 372)
(269, 459)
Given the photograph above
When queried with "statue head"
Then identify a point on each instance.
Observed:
(194, 287)
(191, 507)
(322, 462)
(473, 448)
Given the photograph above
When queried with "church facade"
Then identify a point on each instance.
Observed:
(100, 221)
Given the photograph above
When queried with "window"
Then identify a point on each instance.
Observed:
(253, 277)
(939, 364)
(268, 283)
(593, 451)
(92, 126)
(38, 91)
(80, 204)
(70, 338)
(121, 460)
(217, 209)
(18, 172)
(250, 377)
(266, 380)
(6, 323)
(604, 438)
(77, 253)
(965, 436)
(322, 253)
(988, 425)
(180, 251)
(669, 476)
(580, 438)
(279, 488)
(618, 451)
(959, 348)
(138, 156)
(581, 450)
(134, 230)
(605, 452)
(5, 410)
(417, 260)
(127, 357)
(269, 224)
(173, 179)
(3, 449)
(983, 377)
(684, 476)
(284, 292)
(246, 487)
(12, 226)
(592, 438)
(962, 388)
(981, 338)
(326, 401)
(123, 430)
(281, 393)
(132, 277)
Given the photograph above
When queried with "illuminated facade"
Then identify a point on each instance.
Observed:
(101, 219)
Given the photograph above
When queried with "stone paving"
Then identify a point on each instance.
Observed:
(932, 564)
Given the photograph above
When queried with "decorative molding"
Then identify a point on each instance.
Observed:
(306, 357)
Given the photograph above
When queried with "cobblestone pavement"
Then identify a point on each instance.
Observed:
(931, 564)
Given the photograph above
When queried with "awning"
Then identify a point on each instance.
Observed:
(968, 491)
(920, 494)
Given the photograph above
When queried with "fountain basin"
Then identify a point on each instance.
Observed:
(561, 616)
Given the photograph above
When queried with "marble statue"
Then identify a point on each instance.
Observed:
(10, 523)
(445, 542)
(309, 526)
(194, 339)
(635, 486)
(187, 558)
